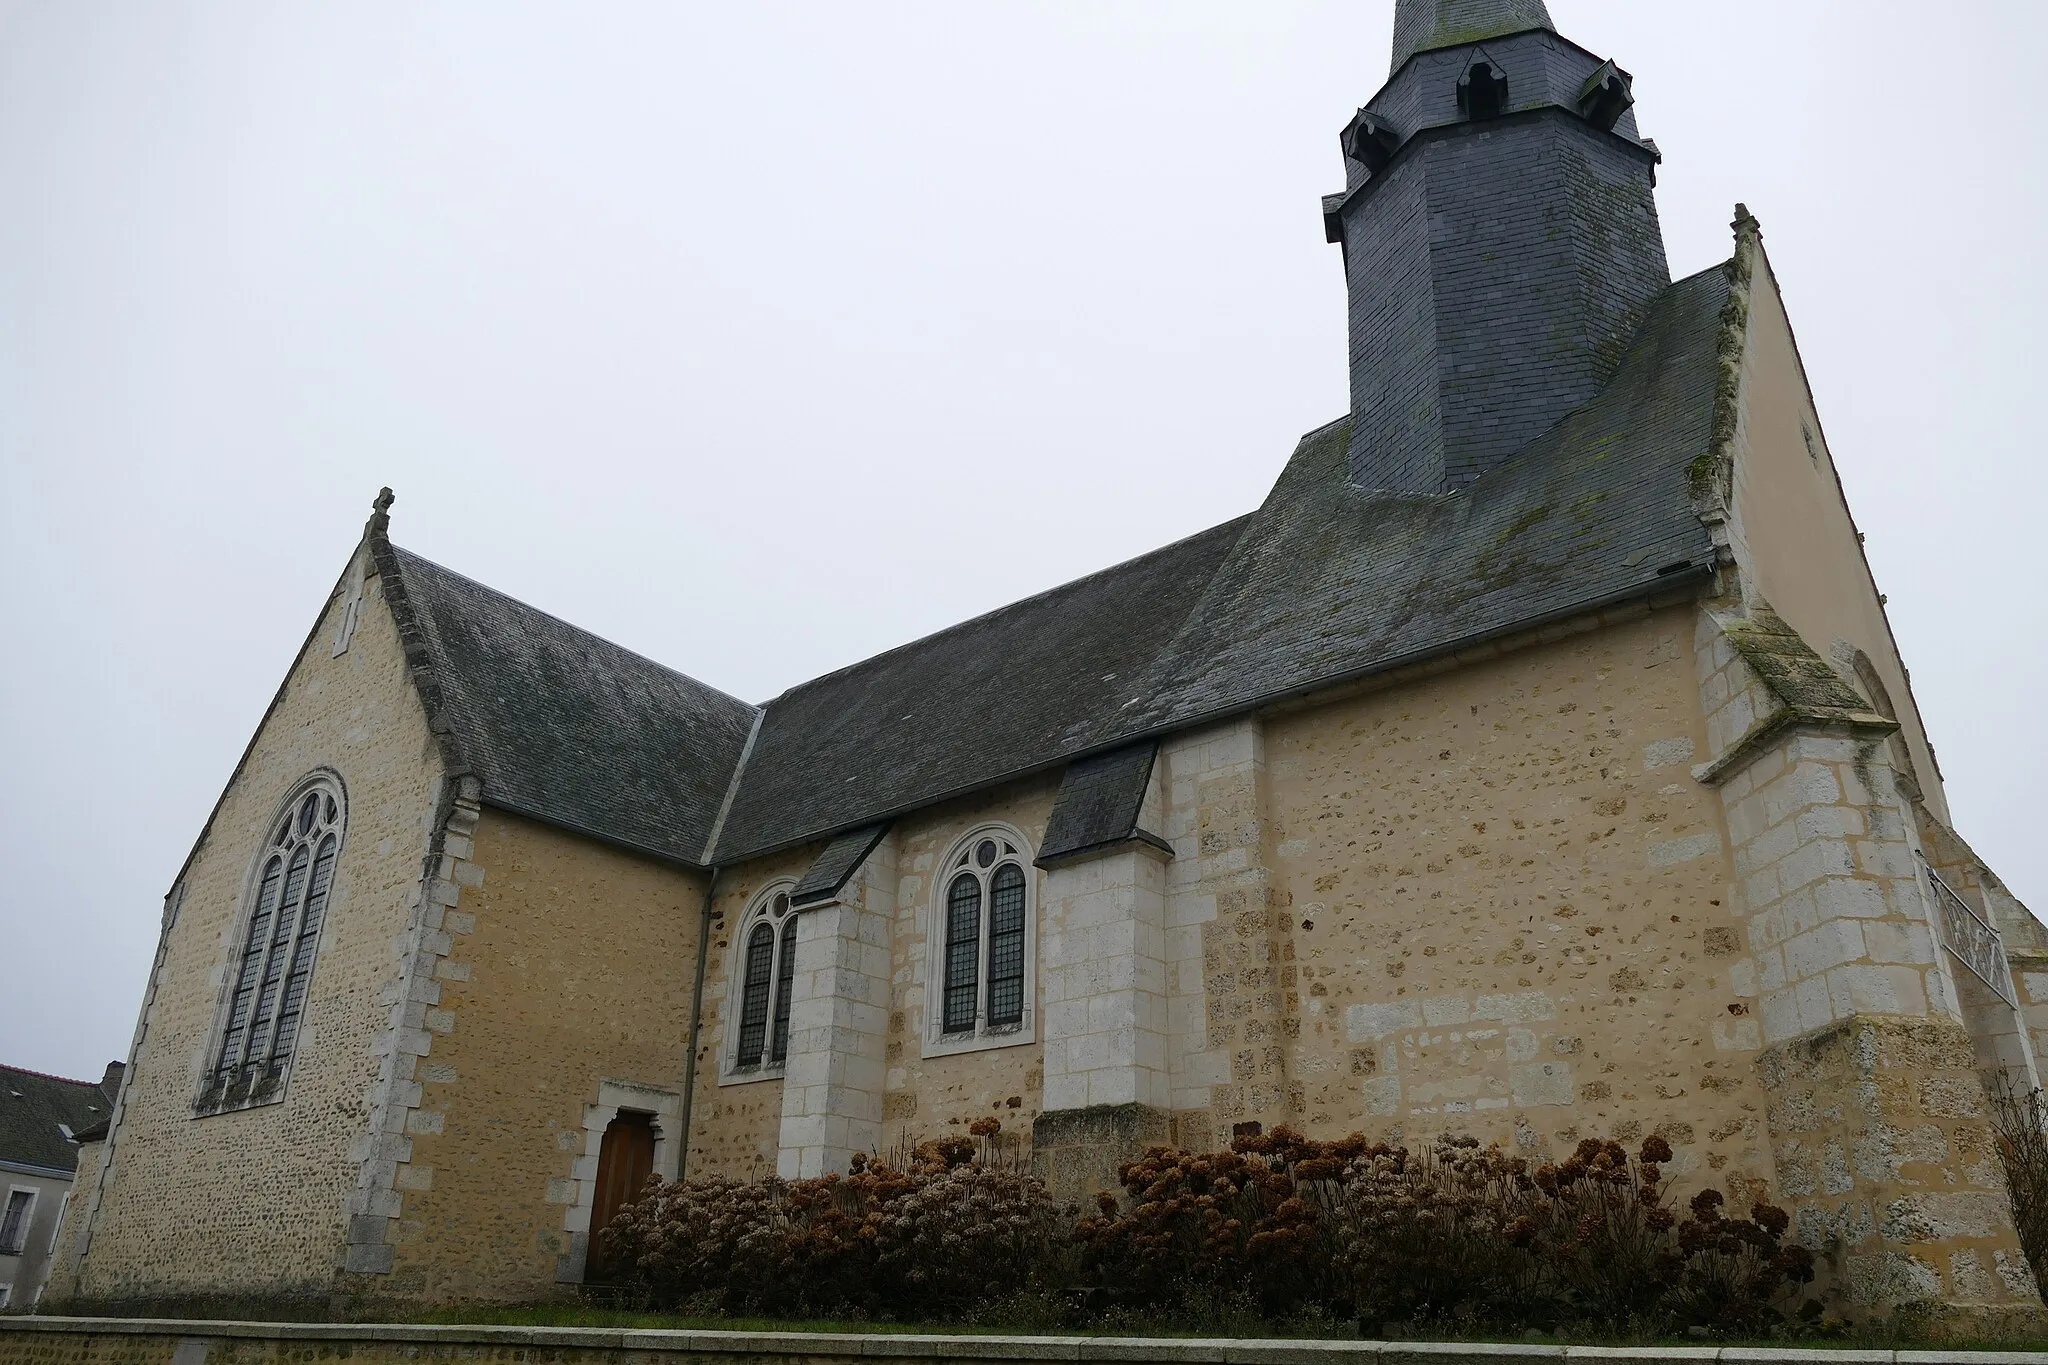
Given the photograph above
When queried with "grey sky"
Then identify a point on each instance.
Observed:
(760, 338)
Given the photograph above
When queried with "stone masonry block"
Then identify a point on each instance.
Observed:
(368, 1258)
(1830, 945)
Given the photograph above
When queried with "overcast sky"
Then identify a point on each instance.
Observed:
(760, 338)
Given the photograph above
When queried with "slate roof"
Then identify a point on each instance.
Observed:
(31, 1107)
(572, 729)
(1018, 689)
(1420, 25)
(1324, 583)
(837, 864)
(1099, 802)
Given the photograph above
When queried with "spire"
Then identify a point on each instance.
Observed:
(1500, 241)
(1420, 25)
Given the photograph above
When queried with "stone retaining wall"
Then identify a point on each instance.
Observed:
(141, 1341)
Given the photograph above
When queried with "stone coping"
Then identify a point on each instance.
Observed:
(918, 1346)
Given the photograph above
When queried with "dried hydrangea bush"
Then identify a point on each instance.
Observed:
(1457, 1235)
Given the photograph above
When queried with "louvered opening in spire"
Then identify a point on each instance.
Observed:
(1420, 25)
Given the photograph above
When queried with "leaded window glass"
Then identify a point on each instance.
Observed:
(785, 977)
(983, 942)
(764, 972)
(274, 972)
(759, 981)
(1006, 946)
(963, 952)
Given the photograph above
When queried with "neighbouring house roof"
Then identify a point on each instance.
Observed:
(32, 1106)
(1324, 583)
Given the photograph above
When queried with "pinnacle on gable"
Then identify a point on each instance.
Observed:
(1420, 25)
(380, 513)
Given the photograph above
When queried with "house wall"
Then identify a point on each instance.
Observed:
(1508, 909)
(22, 1272)
(256, 1200)
(1802, 549)
(566, 981)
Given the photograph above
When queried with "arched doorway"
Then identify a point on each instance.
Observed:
(624, 1161)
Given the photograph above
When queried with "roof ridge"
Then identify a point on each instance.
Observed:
(1009, 606)
(46, 1076)
(564, 621)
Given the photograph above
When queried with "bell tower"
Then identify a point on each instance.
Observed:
(1500, 240)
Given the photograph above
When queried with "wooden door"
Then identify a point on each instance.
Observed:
(624, 1161)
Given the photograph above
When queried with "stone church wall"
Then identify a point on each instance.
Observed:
(1799, 542)
(926, 1097)
(1509, 909)
(735, 1128)
(255, 1200)
(563, 996)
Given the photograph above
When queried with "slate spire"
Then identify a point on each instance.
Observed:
(1500, 241)
(1420, 25)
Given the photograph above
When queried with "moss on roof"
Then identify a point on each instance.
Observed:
(1424, 25)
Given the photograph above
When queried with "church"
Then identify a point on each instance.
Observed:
(1536, 761)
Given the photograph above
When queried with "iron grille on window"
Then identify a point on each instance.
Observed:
(1971, 940)
(267, 1000)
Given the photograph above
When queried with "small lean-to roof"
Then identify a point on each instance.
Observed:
(571, 729)
(32, 1106)
(1326, 582)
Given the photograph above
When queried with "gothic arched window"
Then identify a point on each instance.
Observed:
(764, 973)
(982, 945)
(269, 980)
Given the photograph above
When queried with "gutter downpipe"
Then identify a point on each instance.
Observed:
(696, 1025)
(732, 789)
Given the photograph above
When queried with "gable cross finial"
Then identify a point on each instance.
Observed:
(380, 512)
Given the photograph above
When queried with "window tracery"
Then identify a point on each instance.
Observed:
(270, 978)
(982, 945)
(765, 973)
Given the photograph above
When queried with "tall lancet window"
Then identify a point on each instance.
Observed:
(982, 945)
(269, 979)
(764, 979)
